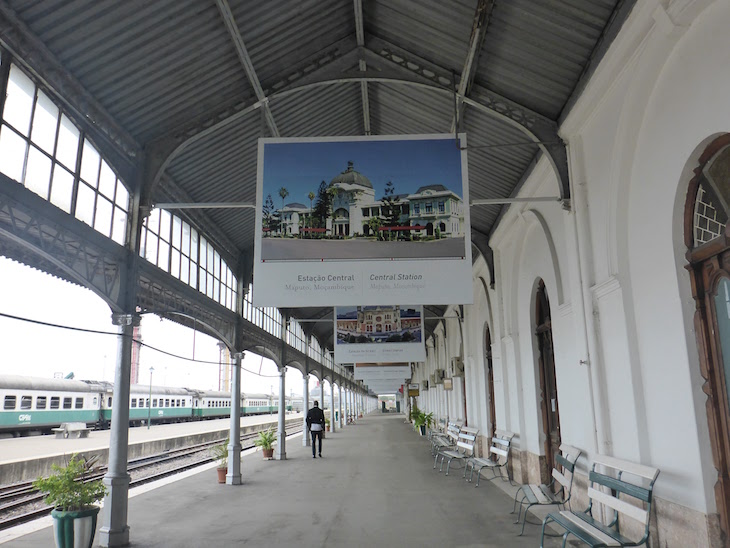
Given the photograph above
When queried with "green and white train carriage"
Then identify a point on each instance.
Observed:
(32, 403)
(161, 404)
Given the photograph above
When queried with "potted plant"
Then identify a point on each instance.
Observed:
(327, 424)
(266, 441)
(72, 498)
(422, 421)
(220, 453)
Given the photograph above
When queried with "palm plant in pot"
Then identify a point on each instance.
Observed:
(72, 498)
(266, 441)
(422, 421)
(220, 453)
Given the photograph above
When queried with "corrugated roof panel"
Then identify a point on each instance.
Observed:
(280, 34)
(438, 31)
(400, 109)
(534, 52)
(335, 109)
(152, 65)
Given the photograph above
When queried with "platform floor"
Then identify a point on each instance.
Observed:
(375, 486)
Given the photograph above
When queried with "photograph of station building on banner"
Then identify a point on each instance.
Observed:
(374, 324)
(347, 208)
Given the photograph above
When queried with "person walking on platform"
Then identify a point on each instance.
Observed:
(315, 424)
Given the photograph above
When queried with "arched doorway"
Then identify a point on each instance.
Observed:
(490, 382)
(548, 382)
(706, 235)
(429, 229)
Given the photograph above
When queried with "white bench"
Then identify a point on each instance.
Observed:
(445, 440)
(500, 448)
(463, 451)
(608, 483)
(72, 430)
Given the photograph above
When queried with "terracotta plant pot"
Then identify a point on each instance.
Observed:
(222, 474)
(268, 453)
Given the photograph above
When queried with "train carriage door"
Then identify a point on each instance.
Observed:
(548, 384)
(706, 236)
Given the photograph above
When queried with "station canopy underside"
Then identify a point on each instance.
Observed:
(177, 92)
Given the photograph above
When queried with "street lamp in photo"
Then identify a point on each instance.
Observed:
(149, 401)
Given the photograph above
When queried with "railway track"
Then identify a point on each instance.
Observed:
(15, 497)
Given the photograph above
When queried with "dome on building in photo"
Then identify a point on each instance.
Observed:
(351, 177)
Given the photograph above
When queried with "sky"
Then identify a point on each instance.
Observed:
(44, 351)
(409, 164)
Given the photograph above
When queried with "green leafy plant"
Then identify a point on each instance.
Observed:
(422, 419)
(326, 421)
(66, 489)
(266, 439)
(220, 453)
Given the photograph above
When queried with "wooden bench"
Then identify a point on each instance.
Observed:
(445, 440)
(557, 492)
(500, 448)
(72, 430)
(606, 489)
(464, 449)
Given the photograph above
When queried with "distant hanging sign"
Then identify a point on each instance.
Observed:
(385, 333)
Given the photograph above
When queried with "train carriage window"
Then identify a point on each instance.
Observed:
(55, 402)
(26, 402)
(154, 402)
(147, 402)
(79, 403)
(67, 403)
(94, 401)
(109, 402)
(9, 403)
(134, 402)
(40, 402)
(167, 402)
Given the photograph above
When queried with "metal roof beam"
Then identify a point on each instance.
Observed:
(245, 59)
(476, 41)
(360, 33)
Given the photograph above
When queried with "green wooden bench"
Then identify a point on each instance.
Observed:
(620, 499)
(557, 492)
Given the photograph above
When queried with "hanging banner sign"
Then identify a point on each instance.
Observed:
(354, 220)
(413, 389)
(386, 334)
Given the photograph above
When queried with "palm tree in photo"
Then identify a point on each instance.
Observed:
(311, 197)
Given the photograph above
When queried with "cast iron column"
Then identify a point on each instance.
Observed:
(332, 408)
(233, 477)
(281, 445)
(114, 530)
(339, 403)
(305, 408)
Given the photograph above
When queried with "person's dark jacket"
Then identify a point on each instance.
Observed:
(315, 416)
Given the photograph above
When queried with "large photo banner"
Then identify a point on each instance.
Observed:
(355, 220)
(385, 334)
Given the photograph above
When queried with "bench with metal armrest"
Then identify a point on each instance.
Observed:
(500, 448)
(445, 440)
(557, 492)
(620, 499)
(462, 452)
